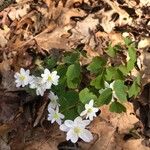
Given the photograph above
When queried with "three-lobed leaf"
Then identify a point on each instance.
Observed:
(117, 107)
(104, 98)
(98, 82)
(96, 65)
(71, 58)
(69, 103)
(113, 73)
(120, 90)
(73, 75)
(85, 96)
(134, 90)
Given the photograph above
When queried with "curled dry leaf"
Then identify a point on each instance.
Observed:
(4, 36)
(145, 2)
(17, 13)
(145, 42)
(49, 40)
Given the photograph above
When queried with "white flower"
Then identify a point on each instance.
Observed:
(54, 100)
(89, 111)
(76, 129)
(23, 78)
(54, 115)
(50, 78)
(111, 86)
(107, 85)
(38, 85)
(114, 96)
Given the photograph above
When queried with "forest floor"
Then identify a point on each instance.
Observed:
(32, 29)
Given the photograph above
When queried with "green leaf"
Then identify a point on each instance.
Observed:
(120, 90)
(104, 98)
(96, 65)
(72, 96)
(85, 96)
(132, 60)
(117, 107)
(61, 70)
(71, 114)
(111, 51)
(50, 62)
(73, 75)
(123, 69)
(81, 107)
(127, 41)
(135, 89)
(112, 73)
(71, 58)
(68, 103)
(98, 82)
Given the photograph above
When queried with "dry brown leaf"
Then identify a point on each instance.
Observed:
(4, 145)
(145, 42)
(3, 36)
(17, 13)
(145, 2)
(54, 39)
(134, 144)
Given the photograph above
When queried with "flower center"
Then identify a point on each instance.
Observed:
(22, 77)
(89, 110)
(77, 130)
(49, 78)
(56, 116)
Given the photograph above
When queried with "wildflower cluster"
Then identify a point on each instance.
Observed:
(41, 84)
(76, 91)
(75, 129)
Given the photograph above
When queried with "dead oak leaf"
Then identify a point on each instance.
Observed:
(3, 36)
(53, 39)
(17, 13)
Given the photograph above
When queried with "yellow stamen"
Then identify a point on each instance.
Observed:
(89, 110)
(56, 116)
(49, 78)
(22, 77)
(77, 130)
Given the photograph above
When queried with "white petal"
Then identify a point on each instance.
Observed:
(86, 135)
(46, 71)
(91, 103)
(106, 85)
(18, 85)
(85, 123)
(61, 116)
(64, 128)
(69, 123)
(114, 95)
(16, 75)
(72, 136)
(57, 109)
(112, 85)
(78, 120)
(49, 117)
(22, 71)
(51, 110)
(52, 105)
(95, 109)
(59, 121)
(90, 117)
(53, 120)
(81, 123)
(28, 72)
(54, 73)
(87, 106)
(83, 113)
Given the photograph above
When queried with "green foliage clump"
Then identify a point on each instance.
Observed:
(78, 84)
